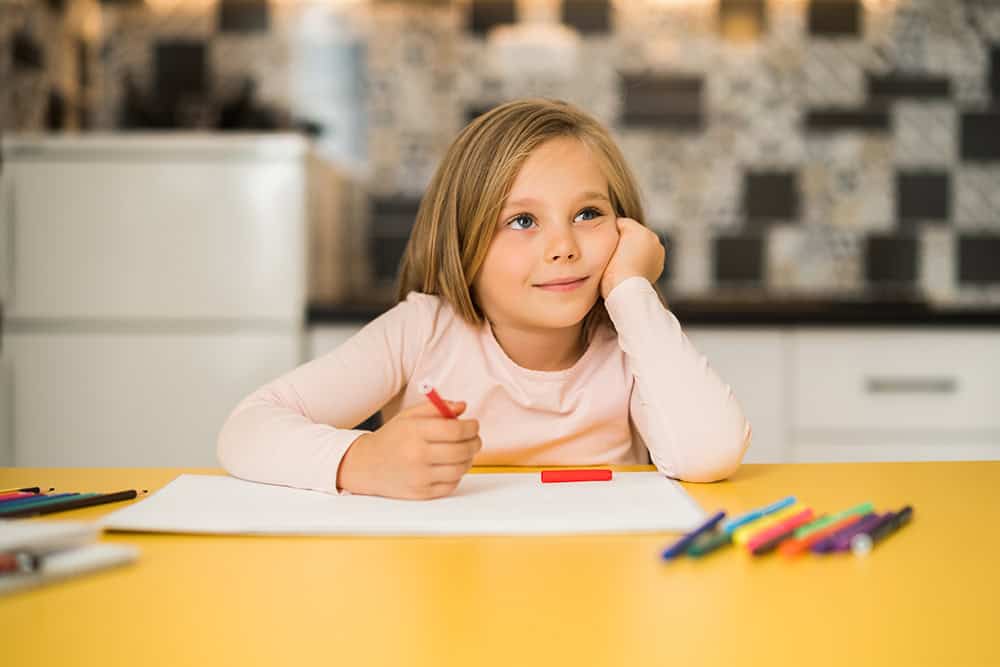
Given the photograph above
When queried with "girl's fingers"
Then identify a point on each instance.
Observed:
(442, 489)
(448, 430)
(428, 409)
(450, 453)
(447, 473)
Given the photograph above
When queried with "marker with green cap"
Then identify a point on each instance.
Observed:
(823, 522)
(709, 542)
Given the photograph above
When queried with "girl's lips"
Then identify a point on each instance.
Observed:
(564, 287)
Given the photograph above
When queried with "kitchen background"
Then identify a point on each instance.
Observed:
(809, 163)
(835, 146)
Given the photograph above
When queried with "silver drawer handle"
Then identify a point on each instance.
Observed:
(911, 385)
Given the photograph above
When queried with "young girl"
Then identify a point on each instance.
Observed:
(526, 297)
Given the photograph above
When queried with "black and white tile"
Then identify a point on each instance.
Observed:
(804, 146)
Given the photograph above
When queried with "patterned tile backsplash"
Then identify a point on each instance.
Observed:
(844, 148)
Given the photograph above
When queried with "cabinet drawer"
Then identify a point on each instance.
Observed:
(896, 379)
(139, 399)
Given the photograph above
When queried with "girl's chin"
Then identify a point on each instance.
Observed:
(568, 316)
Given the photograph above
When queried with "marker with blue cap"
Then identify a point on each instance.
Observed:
(733, 524)
(681, 545)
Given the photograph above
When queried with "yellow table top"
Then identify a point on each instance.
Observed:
(929, 595)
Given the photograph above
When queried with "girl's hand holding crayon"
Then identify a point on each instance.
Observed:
(416, 455)
(638, 253)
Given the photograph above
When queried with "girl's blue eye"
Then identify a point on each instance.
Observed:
(525, 221)
(514, 222)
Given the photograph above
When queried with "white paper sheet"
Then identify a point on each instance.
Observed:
(483, 504)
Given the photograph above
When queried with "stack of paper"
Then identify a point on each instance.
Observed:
(483, 504)
(34, 552)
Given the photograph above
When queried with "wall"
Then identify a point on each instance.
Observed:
(785, 147)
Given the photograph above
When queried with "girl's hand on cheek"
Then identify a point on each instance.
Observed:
(638, 253)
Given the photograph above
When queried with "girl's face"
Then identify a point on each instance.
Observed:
(556, 225)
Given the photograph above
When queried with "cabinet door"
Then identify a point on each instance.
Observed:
(172, 239)
(753, 363)
(99, 399)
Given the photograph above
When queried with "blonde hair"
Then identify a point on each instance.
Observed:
(459, 211)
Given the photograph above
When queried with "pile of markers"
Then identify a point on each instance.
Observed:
(24, 502)
(791, 529)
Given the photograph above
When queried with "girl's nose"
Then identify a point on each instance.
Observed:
(563, 246)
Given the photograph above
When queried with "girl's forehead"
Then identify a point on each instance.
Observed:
(558, 150)
(563, 164)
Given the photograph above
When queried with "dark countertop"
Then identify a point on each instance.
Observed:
(755, 312)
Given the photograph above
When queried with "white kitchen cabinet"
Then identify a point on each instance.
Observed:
(754, 363)
(895, 394)
(149, 282)
(153, 399)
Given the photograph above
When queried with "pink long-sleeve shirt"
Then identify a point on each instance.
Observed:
(642, 389)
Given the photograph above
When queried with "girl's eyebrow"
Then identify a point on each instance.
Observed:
(528, 201)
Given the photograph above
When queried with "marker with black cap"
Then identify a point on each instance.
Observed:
(862, 543)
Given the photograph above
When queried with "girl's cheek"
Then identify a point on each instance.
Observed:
(609, 239)
(504, 244)
(609, 251)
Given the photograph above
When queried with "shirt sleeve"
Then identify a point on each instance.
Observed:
(688, 417)
(295, 430)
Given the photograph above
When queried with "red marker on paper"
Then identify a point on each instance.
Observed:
(577, 475)
(427, 390)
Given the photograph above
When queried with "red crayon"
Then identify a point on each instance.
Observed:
(578, 475)
(427, 390)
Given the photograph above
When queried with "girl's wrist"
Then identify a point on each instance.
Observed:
(608, 284)
(614, 282)
(350, 473)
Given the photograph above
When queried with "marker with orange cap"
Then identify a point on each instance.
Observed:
(786, 527)
(811, 533)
